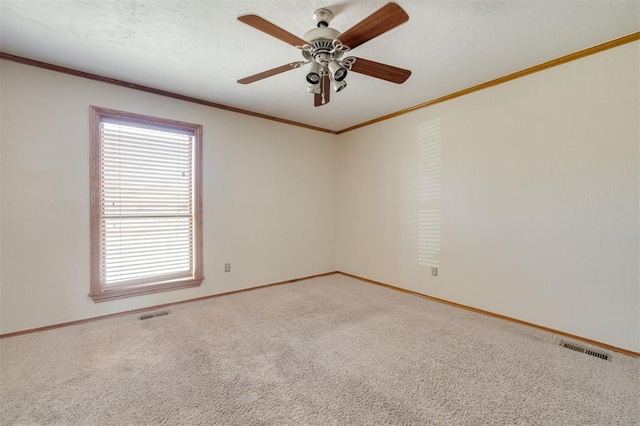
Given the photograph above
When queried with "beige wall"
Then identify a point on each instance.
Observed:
(269, 197)
(539, 199)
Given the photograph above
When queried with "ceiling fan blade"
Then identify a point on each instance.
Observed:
(326, 91)
(273, 30)
(271, 72)
(378, 70)
(388, 17)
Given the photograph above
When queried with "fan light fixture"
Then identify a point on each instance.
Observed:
(337, 70)
(313, 77)
(323, 48)
(339, 85)
(323, 52)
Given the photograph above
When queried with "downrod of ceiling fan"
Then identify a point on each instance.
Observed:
(322, 17)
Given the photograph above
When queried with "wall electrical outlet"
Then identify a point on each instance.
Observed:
(434, 271)
(227, 267)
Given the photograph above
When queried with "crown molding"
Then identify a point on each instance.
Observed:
(522, 73)
(509, 77)
(134, 86)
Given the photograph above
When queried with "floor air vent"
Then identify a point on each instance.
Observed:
(150, 315)
(584, 350)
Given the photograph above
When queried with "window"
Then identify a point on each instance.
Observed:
(146, 204)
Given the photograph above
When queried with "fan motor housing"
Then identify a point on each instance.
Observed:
(321, 34)
(321, 41)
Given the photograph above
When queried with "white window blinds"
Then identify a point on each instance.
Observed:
(146, 204)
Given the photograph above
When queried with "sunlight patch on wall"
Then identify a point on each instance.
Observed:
(430, 188)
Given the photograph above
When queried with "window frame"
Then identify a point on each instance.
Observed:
(98, 292)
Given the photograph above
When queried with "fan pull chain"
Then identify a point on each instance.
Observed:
(322, 85)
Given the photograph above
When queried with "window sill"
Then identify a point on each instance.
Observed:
(121, 293)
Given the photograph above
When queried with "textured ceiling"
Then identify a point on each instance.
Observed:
(198, 48)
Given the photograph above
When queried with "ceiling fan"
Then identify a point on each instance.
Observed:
(324, 47)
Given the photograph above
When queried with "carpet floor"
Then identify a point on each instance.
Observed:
(325, 351)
